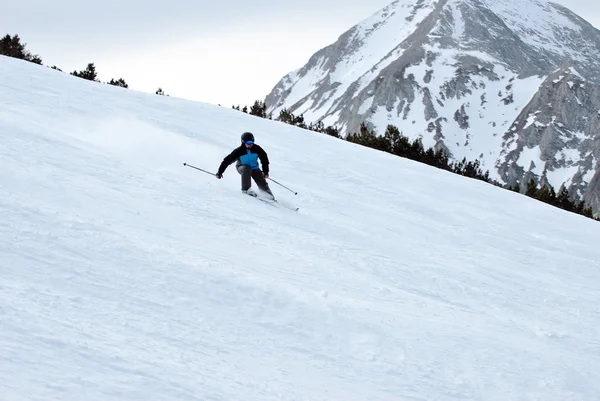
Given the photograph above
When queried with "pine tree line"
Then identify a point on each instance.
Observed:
(563, 200)
(392, 141)
(395, 143)
(259, 109)
(12, 46)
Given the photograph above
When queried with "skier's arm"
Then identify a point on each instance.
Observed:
(264, 160)
(230, 158)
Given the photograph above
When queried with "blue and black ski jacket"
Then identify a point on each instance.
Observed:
(247, 157)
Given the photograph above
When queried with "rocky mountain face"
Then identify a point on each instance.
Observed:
(513, 83)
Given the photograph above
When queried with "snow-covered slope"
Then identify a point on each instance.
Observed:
(460, 74)
(125, 275)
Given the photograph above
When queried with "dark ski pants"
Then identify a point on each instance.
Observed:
(247, 174)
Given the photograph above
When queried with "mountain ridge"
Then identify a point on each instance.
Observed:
(458, 74)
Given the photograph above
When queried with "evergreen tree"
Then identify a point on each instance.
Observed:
(416, 150)
(364, 137)
(399, 144)
(259, 109)
(12, 47)
(317, 127)
(486, 177)
(34, 59)
(392, 136)
(442, 160)
(587, 212)
(245, 109)
(457, 167)
(286, 116)
(119, 82)
(332, 131)
(367, 137)
(298, 121)
(470, 169)
(563, 200)
(89, 73)
(160, 92)
(429, 157)
(531, 188)
(547, 195)
(579, 207)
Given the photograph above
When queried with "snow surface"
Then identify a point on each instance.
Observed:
(541, 24)
(530, 120)
(125, 275)
(529, 156)
(459, 22)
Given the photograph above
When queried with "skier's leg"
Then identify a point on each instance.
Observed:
(245, 172)
(260, 180)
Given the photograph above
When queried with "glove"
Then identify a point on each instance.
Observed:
(219, 176)
(266, 175)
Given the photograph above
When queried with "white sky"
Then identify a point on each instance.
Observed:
(227, 53)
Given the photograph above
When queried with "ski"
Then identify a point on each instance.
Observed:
(283, 205)
(271, 201)
(292, 208)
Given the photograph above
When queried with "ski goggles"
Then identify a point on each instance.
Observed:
(249, 142)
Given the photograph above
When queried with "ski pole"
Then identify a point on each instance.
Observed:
(207, 172)
(295, 193)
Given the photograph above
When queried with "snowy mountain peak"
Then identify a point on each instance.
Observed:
(458, 74)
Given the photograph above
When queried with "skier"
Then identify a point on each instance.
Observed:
(246, 157)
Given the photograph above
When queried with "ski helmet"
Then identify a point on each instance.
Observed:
(248, 138)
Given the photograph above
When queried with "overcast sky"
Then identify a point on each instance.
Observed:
(221, 52)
